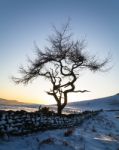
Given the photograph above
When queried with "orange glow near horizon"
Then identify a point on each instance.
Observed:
(23, 97)
(32, 93)
(24, 100)
(36, 92)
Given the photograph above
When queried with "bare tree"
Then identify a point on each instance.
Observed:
(61, 64)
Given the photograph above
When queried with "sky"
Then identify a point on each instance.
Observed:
(25, 22)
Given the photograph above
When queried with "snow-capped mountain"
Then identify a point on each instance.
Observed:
(10, 102)
(106, 103)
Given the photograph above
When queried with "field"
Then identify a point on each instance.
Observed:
(98, 133)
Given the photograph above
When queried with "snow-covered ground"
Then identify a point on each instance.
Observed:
(106, 103)
(98, 133)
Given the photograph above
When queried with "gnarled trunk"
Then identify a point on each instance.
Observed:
(60, 106)
(59, 110)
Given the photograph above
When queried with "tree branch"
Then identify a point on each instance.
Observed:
(81, 91)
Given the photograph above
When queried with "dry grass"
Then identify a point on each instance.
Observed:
(69, 132)
(47, 141)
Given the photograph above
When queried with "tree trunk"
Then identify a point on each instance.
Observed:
(60, 106)
(59, 110)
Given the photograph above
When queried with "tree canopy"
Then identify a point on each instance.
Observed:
(61, 63)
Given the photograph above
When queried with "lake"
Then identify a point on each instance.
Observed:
(29, 108)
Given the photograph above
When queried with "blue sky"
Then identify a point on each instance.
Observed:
(23, 22)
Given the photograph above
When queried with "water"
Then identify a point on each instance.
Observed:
(32, 108)
(29, 108)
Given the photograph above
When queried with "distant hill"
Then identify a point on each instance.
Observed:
(10, 102)
(106, 103)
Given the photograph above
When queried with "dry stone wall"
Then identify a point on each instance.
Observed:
(22, 122)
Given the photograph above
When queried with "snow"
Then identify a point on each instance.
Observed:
(106, 103)
(98, 133)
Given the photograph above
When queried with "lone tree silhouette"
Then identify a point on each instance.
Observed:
(61, 63)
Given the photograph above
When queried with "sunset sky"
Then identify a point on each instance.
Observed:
(23, 22)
